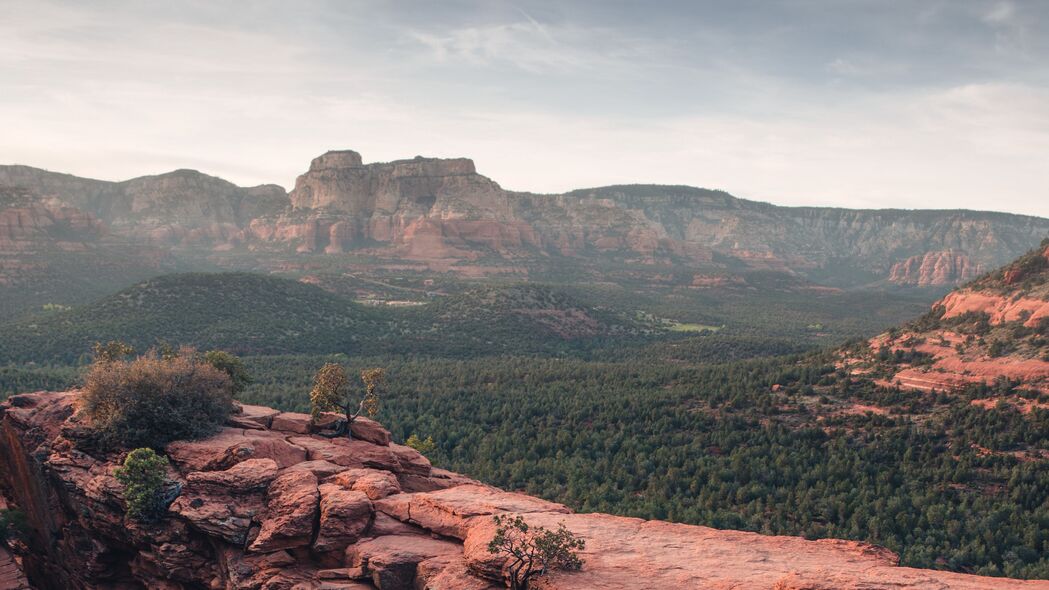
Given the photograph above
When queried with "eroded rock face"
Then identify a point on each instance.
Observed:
(443, 215)
(265, 509)
(946, 267)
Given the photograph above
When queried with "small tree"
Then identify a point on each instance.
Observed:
(144, 475)
(424, 447)
(533, 551)
(331, 392)
(111, 351)
(231, 365)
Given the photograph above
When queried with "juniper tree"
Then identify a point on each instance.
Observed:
(533, 551)
(332, 392)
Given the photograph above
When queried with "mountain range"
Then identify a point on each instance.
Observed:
(439, 216)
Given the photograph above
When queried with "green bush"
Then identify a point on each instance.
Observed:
(231, 365)
(424, 446)
(532, 552)
(153, 400)
(145, 481)
(12, 525)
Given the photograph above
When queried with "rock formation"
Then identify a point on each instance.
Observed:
(266, 503)
(180, 208)
(935, 268)
(442, 214)
(993, 328)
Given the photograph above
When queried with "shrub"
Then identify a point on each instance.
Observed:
(144, 475)
(533, 551)
(13, 525)
(114, 350)
(231, 365)
(424, 447)
(151, 401)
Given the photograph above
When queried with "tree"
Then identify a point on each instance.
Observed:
(331, 392)
(424, 447)
(231, 365)
(144, 475)
(151, 401)
(114, 350)
(533, 551)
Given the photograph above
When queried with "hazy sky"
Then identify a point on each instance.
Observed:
(841, 102)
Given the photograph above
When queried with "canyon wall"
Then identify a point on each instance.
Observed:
(442, 211)
(269, 503)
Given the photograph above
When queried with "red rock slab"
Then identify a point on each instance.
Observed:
(998, 307)
(293, 422)
(411, 461)
(322, 469)
(369, 430)
(291, 508)
(345, 514)
(259, 414)
(348, 453)
(629, 553)
(250, 475)
(449, 512)
(218, 513)
(374, 483)
(384, 524)
(449, 572)
(231, 446)
(392, 561)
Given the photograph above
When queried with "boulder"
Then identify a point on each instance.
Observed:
(291, 509)
(224, 503)
(250, 475)
(392, 561)
(411, 461)
(374, 483)
(292, 422)
(369, 430)
(344, 515)
(218, 513)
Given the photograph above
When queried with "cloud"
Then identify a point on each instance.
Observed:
(1000, 12)
(858, 111)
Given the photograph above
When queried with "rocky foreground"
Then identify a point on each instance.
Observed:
(269, 504)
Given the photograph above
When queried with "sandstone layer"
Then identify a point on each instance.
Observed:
(935, 268)
(267, 503)
(442, 214)
(993, 329)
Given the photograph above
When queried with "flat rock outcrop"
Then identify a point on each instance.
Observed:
(263, 505)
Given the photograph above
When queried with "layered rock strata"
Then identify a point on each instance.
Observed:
(442, 214)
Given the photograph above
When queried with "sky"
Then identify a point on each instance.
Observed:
(851, 103)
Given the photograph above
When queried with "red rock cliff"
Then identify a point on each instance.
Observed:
(266, 504)
(946, 267)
